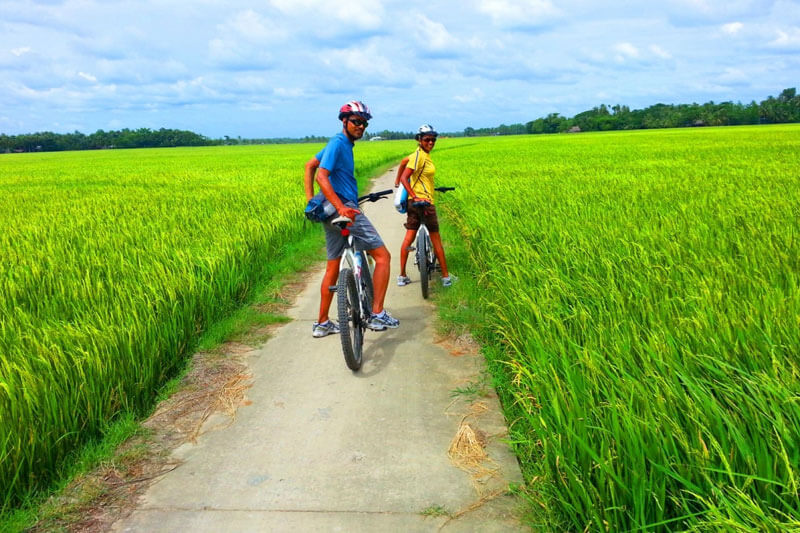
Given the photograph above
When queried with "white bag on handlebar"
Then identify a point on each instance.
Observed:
(401, 199)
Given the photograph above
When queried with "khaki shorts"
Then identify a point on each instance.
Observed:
(365, 236)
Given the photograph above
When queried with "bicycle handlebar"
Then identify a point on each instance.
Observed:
(425, 203)
(375, 196)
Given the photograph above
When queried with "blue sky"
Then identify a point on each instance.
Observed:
(282, 68)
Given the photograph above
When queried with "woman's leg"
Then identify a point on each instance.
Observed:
(438, 249)
(407, 240)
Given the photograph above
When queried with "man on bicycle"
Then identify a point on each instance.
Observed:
(334, 170)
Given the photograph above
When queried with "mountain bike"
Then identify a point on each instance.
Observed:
(354, 289)
(425, 259)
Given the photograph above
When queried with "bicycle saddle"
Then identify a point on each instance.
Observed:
(341, 221)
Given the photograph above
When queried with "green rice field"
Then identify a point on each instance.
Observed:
(112, 263)
(640, 294)
(637, 295)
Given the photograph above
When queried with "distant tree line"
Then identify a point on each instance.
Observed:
(387, 135)
(785, 108)
(273, 140)
(774, 110)
(141, 138)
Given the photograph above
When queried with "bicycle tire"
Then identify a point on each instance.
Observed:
(431, 256)
(366, 279)
(422, 263)
(351, 325)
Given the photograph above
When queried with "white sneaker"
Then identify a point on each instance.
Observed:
(382, 321)
(449, 280)
(402, 281)
(324, 329)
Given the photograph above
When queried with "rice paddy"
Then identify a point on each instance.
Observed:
(641, 293)
(638, 295)
(112, 264)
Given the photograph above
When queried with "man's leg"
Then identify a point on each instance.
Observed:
(380, 279)
(330, 279)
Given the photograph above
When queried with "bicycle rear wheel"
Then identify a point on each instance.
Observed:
(422, 261)
(350, 324)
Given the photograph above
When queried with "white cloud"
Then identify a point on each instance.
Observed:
(660, 52)
(787, 40)
(87, 77)
(195, 90)
(290, 92)
(244, 41)
(362, 14)
(254, 28)
(472, 96)
(733, 75)
(433, 36)
(234, 55)
(700, 12)
(366, 64)
(732, 28)
(140, 71)
(22, 50)
(629, 54)
(625, 51)
(519, 13)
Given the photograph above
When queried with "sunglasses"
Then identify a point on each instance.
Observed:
(429, 139)
(358, 122)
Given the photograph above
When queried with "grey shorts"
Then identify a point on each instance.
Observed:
(365, 234)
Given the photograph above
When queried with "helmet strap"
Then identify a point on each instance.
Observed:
(345, 120)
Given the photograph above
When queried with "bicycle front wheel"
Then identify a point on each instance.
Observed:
(366, 279)
(351, 325)
(423, 244)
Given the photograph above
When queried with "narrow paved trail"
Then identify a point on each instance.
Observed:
(320, 448)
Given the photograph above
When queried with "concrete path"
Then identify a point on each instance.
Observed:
(321, 448)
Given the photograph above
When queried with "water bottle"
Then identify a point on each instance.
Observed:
(358, 264)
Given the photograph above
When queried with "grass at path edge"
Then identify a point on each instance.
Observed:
(458, 312)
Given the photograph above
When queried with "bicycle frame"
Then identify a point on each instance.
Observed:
(356, 261)
(425, 258)
(425, 235)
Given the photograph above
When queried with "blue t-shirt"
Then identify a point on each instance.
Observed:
(337, 158)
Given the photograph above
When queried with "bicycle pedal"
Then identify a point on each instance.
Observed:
(411, 248)
(332, 288)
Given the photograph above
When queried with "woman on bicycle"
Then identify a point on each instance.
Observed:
(416, 174)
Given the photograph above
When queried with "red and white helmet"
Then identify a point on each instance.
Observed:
(355, 107)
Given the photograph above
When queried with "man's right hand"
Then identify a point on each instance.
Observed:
(349, 212)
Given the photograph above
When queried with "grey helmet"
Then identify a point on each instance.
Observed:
(425, 129)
